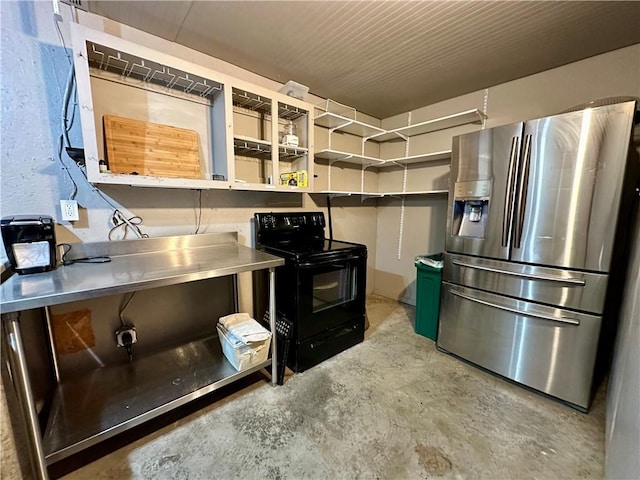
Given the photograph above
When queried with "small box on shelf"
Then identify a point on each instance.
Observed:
(295, 179)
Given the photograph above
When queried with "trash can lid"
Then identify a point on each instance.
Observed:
(435, 261)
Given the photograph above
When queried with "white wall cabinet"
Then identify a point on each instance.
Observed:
(238, 125)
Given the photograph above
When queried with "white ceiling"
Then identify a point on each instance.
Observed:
(388, 57)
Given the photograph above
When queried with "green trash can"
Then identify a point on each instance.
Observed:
(429, 281)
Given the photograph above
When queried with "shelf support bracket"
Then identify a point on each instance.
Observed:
(367, 197)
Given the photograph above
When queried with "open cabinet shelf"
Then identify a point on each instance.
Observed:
(346, 157)
(343, 193)
(135, 70)
(415, 159)
(474, 116)
(123, 396)
(221, 127)
(347, 125)
(251, 147)
(377, 153)
(251, 101)
(417, 193)
(157, 120)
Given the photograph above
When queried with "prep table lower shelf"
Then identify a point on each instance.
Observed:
(107, 401)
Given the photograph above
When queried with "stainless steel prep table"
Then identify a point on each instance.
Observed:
(135, 265)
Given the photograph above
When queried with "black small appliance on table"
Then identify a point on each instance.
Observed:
(30, 242)
(321, 287)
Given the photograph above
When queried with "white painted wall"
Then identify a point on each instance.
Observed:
(615, 73)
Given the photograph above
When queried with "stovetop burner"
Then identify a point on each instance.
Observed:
(307, 248)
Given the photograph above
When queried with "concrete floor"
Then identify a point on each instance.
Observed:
(391, 407)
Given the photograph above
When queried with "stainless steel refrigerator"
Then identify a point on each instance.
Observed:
(533, 215)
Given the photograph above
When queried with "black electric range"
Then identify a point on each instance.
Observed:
(321, 288)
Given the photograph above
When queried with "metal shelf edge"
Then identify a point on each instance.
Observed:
(53, 455)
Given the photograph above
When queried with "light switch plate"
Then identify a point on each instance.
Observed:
(69, 210)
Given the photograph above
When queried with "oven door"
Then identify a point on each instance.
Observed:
(331, 293)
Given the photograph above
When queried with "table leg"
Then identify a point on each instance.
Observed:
(272, 324)
(22, 385)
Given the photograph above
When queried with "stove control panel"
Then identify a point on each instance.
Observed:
(285, 221)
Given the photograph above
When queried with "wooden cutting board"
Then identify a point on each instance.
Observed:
(150, 148)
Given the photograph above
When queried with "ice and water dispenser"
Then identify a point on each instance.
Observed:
(471, 208)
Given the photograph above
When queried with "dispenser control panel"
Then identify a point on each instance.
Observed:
(478, 189)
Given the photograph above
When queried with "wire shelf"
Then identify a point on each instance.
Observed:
(291, 153)
(287, 112)
(251, 147)
(251, 101)
(132, 66)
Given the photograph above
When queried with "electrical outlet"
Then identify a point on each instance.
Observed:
(69, 210)
(126, 335)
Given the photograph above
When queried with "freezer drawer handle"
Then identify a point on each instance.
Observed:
(570, 321)
(532, 276)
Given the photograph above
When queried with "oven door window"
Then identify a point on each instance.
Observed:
(333, 288)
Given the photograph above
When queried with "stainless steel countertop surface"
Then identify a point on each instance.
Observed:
(164, 261)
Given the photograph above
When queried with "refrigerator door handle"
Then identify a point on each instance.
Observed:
(542, 316)
(522, 192)
(509, 193)
(548, 278)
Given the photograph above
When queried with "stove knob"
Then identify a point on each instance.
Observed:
(268, 221)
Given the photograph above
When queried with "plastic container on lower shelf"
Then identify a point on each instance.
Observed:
(244, 341)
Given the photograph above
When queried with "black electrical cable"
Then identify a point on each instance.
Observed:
(199, 211)
(124, 307)
(68, 246)
(66, 122)
(329, 218)
(66, 168)
(55, 22)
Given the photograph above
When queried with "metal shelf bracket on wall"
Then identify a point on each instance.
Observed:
(367, 196)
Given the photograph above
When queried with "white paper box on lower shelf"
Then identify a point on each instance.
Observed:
(245, 343)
